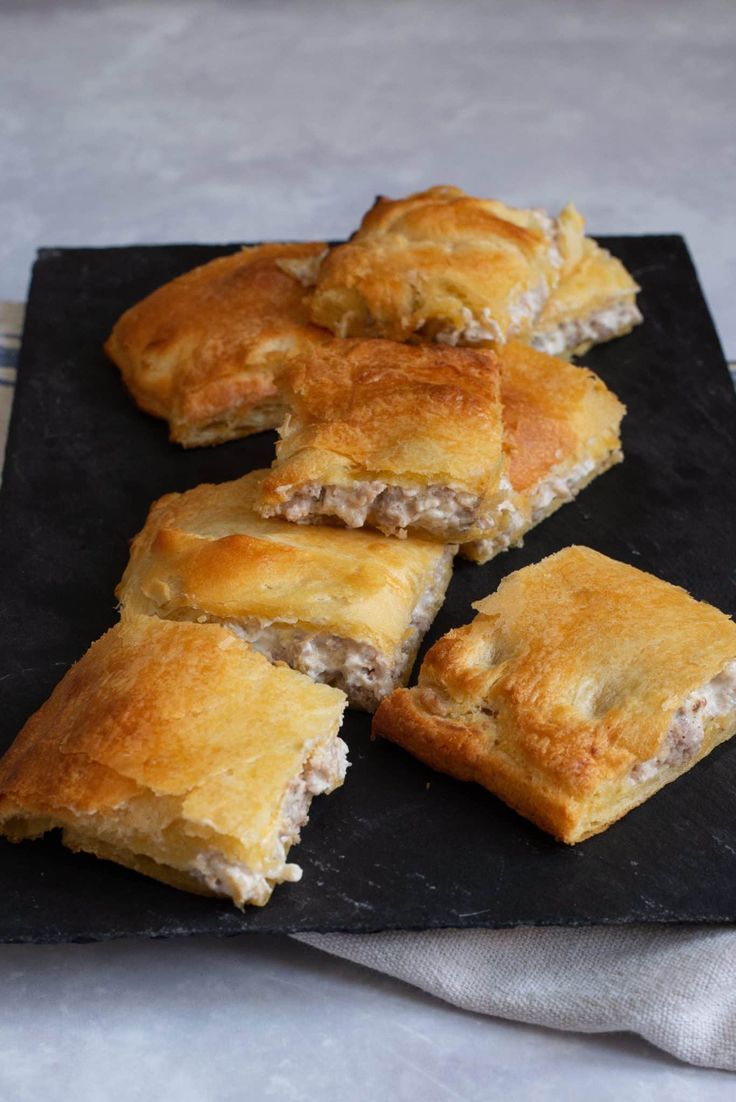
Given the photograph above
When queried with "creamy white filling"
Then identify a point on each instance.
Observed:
(600, 326)
(560, 488)
(359, 669)
(440, 510)
(527, 306)
(685, 736)
(473, 330)
(323, 771)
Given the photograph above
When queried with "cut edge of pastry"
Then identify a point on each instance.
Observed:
(421, 720)
(190, 856)
(574, 336)
(393, 506)
(560, 486)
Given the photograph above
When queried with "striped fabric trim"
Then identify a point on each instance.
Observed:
(11, 328)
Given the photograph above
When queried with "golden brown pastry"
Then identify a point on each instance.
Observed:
(441, 265)
(395, 437)
(581, 688)
(205, 351)
(594, 302)
(347, 608)
(178, 751)
(561, 430)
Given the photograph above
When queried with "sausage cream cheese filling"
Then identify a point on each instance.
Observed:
(579, 333)
(323, 771)
(441, 511)
(685, 736)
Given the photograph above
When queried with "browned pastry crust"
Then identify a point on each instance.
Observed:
(346, 607)
(582, 687)
(374, 421)
(561, 429)
(445, 266)
(178, 751)
(205, 351)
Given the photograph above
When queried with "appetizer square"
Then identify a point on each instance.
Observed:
(403, 439)
(205, 351)
(594, 302)
(581, 688)
(443, 266)
(346, 608)
(561, 430)
(180, 752)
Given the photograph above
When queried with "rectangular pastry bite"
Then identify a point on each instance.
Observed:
(205, 351)
(177, 750)
(594, 302)
(444, 266)
(348, 608)
(400, 438)
(561, 430)
(581, 688)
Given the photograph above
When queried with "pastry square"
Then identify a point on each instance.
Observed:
(594, 302)
(178, 751)
(205, 351)
(443, 266)
(561, 429)
(400, 438)
(580, 689)
(348, 608)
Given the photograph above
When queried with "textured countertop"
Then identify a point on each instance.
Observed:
(215, 121)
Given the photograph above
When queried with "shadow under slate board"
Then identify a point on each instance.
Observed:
(398, 847)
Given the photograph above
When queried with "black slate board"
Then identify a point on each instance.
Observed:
(398, 846)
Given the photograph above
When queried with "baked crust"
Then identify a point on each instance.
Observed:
(597, 283)
(555, 416)
(442, 265)
(379, 410)
(569, 676)
(206, 553)
(206, 350)
(166, 743)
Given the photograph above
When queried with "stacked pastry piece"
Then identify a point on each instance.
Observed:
(444, 266)
(410, 440)
(207, 351)
(416, 416)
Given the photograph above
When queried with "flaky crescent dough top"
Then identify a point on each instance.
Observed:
(378, 409)
(186, 713)
(207, 549)
(445, 266)
(552, 410)
(216, 338)
(582, 662)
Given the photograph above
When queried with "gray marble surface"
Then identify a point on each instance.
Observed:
(218, 121)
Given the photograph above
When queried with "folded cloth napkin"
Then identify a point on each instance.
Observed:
(674, 985)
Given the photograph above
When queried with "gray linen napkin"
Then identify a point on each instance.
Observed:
(674, 985)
